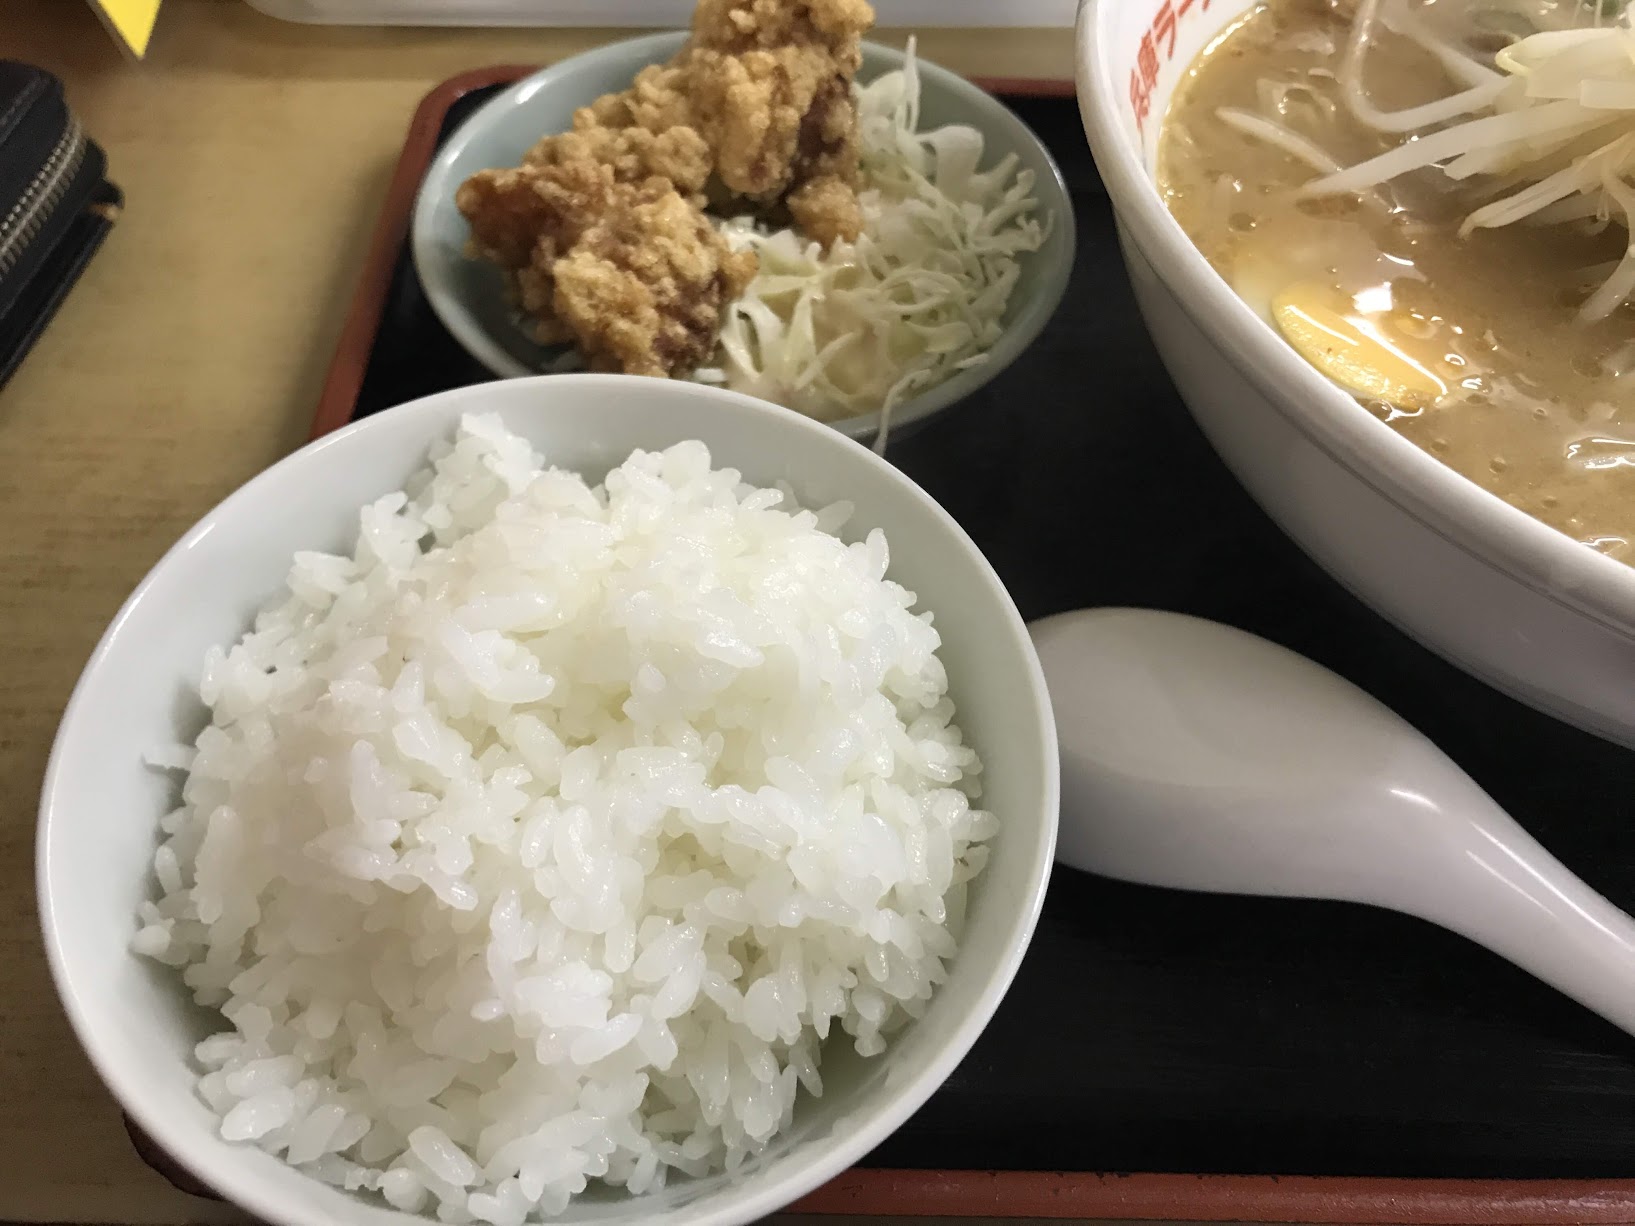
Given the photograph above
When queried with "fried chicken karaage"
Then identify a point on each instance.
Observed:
(676, 153)
(771, 88)
(633, 273)
(602, 229)
(643, 289)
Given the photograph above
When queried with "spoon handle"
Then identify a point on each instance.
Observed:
(1503, 890)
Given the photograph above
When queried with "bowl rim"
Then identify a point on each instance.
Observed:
(1549, 563)
(1050, 277)
(428, 416)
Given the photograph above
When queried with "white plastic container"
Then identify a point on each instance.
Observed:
(643, 14)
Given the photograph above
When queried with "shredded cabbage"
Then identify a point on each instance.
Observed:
(920, 294)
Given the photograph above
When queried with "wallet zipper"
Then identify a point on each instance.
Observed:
(29, 215)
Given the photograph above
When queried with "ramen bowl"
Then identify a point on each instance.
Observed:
(1525, 608)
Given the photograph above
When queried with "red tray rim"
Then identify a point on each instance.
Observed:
(1145, 1197)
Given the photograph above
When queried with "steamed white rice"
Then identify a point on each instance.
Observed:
(547, 838)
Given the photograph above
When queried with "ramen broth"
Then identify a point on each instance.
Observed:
(1470, 347)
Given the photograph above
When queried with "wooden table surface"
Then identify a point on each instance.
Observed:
(253, 155)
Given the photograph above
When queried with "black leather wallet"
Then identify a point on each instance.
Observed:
(56, 205)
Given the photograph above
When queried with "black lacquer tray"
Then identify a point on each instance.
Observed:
(1384, 1070)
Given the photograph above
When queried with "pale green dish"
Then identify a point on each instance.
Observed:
(469, 297)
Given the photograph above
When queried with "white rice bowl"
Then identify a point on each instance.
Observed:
(550, 837)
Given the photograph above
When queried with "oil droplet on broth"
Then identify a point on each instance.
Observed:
(1414, 325)
(1601, 452)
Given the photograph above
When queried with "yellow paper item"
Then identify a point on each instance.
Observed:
(130, 20)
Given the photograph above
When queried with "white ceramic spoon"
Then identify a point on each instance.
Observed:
(1201, 757)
